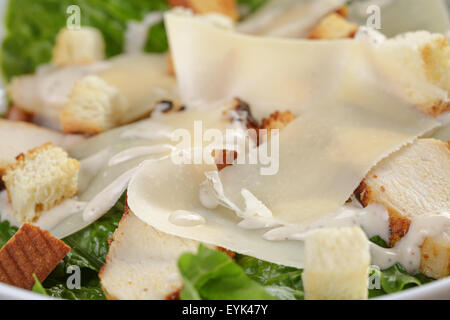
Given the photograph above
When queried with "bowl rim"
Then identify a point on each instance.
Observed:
(436, 290)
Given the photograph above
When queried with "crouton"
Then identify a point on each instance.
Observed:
(26, 136)
(225, 7)
(93, 107)
(435, 256)
(336, 264)
(30, 251)
(334, 26)
(412, 182)
(78, 47)
(39, 180)
(142, 262)
(432, 64)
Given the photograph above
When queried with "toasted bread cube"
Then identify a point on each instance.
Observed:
(411, 182)
(39, 180)
(225, 7)
(30, 251)
(435, 53)
(142, 262)
(26, 136)
(93, 107)
(78, 47)
(431, 59)
(336, 264)
(435, 256)
(334, 26)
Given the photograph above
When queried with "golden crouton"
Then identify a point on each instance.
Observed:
(26, 136)
(30, 251)
(336, 264)
(225, 7)
(334, 26)
(435, 256)
(433, 59)
(412, 182)
(39, 180)
(78, 47)
(93, 107)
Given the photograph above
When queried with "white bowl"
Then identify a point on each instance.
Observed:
(436, 290)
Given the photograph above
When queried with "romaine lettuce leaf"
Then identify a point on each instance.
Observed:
(89, 249)
(280, 281)
(6, 232)
(212, 275)
(30, 33)
(37, 287)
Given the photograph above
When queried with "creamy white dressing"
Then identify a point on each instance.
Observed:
(90, 166)
(149, 130)
(212, 188)
(207, 196)
(108, 197)
(374, 220)
(407, 250)
(184, 218)
(137, 32)
(49, 218)
(52, 217)
(141, 151)
(55, 84)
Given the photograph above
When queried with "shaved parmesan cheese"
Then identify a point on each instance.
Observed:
(348, 122)
(299, 72)
(158, 189)
(142, 78)
(288, 18)
(108, 160)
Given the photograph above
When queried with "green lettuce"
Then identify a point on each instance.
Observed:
(89, 248)
(31, 28)
(37, 287)
(206, 275)
(283, 282)
(6, 232)
(212, 275)
(30, 33)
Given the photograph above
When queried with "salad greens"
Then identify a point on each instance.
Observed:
(204, 278)
(30, 34)
(38, 288)
(212, 275)
(87, 256)
(208, 274)
(6, 232)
